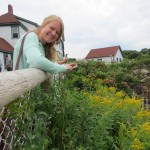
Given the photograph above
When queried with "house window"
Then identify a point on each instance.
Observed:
(99, 59)
(15, 32)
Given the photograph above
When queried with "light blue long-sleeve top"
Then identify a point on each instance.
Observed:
(33, 55)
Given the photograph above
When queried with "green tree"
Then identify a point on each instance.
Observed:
(130, 54)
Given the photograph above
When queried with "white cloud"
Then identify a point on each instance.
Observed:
(92, 24)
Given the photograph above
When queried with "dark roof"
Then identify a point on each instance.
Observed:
(5, 46)
(103, 52)
(9, 19)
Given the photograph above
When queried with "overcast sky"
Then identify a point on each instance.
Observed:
(91, 24)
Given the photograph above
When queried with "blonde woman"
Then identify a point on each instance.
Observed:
(38, 50)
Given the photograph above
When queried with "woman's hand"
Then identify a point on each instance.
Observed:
(70, 66)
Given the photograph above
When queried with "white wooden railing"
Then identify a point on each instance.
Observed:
(15, 83)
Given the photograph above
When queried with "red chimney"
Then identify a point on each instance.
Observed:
(10, 9)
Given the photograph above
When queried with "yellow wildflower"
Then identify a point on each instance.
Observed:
(146, 127)
(137, 145)
(107, 102)
(143, 114)
(133, 132)
(133, 102)
(112, 89)
(119, 104)
(119, 94)
(94, 99)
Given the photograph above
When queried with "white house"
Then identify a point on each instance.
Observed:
(107, 54)
(11, 28)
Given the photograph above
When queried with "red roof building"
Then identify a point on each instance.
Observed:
(11, 28)
(106, 54)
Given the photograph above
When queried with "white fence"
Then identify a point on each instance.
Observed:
(15, 83)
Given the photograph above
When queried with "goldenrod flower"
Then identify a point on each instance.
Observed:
(119, 104)
(119, 94)
(133, 102)
(146, 128)
(112, 89)
(137, 145)
(143, 114)
(107, 102)
(133, 132)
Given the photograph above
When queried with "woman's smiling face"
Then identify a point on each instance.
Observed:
(50, 32)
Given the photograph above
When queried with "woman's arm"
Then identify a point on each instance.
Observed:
(36, 59)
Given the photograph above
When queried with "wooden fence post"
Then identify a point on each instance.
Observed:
(15, 83)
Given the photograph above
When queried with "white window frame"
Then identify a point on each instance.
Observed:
(15, 32)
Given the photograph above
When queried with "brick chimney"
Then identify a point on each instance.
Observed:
(10, 9)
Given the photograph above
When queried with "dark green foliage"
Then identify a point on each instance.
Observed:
(131, 54)
(126, 77)
(118, 75)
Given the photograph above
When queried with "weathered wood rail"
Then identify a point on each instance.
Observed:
(15, 83)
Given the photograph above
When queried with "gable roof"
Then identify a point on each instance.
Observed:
(5, 46)
(9, 18)
(103, 52)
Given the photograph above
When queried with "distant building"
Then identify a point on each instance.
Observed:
(11, 28)
(106, 54)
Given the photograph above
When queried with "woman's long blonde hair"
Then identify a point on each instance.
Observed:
(50, 51)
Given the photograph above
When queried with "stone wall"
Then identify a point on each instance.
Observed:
(143, 90)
